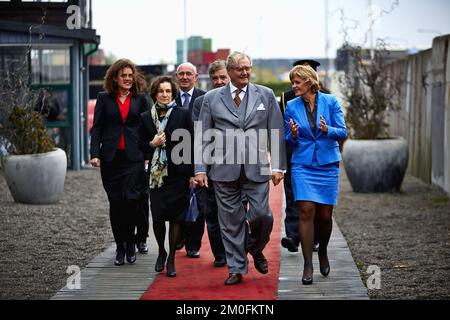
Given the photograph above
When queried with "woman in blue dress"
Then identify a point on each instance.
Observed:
(314, 122)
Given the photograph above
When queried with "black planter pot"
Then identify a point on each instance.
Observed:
(376, 165)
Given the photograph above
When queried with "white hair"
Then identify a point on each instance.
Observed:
(187, 64)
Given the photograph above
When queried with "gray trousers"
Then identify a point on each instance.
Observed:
(243, 231)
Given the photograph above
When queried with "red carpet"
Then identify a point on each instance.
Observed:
(198, 279)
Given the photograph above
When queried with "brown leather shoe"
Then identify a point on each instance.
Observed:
(233, 278)
(261, 263)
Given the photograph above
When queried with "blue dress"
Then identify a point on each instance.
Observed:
(316, 155)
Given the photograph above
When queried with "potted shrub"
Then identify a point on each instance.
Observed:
(373, 161)
(33, 168)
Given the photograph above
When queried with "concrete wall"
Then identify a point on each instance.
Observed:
(424, 117)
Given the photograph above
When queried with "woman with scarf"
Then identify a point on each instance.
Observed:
(169, 182)
(115, 150)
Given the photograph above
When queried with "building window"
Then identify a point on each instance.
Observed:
(50, 66)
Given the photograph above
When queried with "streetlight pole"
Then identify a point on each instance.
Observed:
(185, 44)
(370, 12)
(327, 44)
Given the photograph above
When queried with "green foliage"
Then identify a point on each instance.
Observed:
(27, 132)
(22, 128)
(370, 92)
(278, 87)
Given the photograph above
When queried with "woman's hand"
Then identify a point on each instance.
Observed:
(323, 125)
(95, 162)
(192, 182)
(294, 129)
(158, 140)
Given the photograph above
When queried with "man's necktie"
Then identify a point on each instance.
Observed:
(186, 100)
(237, 99)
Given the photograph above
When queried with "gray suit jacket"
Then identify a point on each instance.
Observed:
(236, 144)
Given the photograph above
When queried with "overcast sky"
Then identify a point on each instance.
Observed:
(146, 30)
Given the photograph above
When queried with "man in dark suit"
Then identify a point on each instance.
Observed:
(187, 77)
(291, 220)
(206, 197)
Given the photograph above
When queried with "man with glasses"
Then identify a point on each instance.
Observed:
(242, 109)
(187, 77)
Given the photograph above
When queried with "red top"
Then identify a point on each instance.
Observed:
(124, 109)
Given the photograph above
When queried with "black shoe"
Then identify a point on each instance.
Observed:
(193, 254)
(171, 269)
(289, 244)
(180, 245)
(131, 253)
(142, 247)
(261, 263)
(120, 257)
(233, 278)
(324, 264)
(120, 254)
(316, 247)
(307, 279)
(220, 262)
(159, 266)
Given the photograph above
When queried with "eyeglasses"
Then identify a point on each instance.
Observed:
(183, 73)
(243, 68)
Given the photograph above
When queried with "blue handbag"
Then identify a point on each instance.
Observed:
(192, 210)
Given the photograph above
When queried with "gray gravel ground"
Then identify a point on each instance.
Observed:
(405, 234)
(38, 243)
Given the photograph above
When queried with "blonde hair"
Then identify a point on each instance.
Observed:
(307, 74)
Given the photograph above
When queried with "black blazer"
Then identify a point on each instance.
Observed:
(197, 93)
(179, 119)
(108, 127)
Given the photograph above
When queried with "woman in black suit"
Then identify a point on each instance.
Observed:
(169, 182)
(115, 150)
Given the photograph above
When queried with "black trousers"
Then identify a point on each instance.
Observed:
(142, 223)
(193, 233)
(123, 183)
(122, 214)
(291, 220)
(207, 206)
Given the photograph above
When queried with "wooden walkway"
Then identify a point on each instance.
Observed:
(101, 280)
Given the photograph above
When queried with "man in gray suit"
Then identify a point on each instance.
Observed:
(240, 124)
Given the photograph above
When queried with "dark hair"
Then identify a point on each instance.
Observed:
(111, 87)
(156, 83)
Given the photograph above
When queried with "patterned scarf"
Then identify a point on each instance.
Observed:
(158, 169)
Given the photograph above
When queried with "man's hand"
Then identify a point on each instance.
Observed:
(277, 177)
(95, 162)
(201, 179)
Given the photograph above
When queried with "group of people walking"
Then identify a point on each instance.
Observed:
(225, 145)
